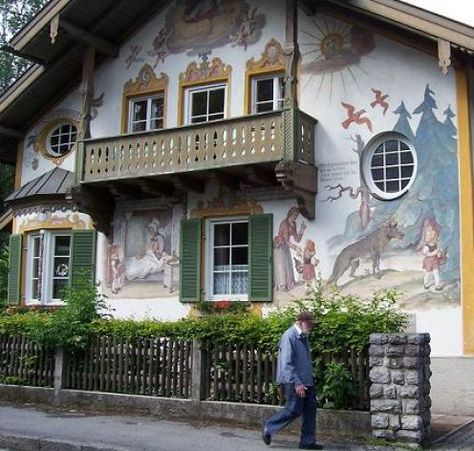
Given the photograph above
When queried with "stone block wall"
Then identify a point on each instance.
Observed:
(400, 390)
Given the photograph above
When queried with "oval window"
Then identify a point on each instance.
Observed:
(61, 139)
(389, 165)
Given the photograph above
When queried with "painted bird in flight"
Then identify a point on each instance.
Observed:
(355, 117)
(380, 100)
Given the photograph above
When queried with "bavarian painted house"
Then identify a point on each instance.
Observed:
(243, 151)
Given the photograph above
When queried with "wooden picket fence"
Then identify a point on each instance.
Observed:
(23, 362)
(147, 366)
(164, 367)
(242, 373)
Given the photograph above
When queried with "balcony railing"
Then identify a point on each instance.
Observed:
(230, 142)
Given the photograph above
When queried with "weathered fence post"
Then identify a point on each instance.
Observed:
(400, 391)
(199, 374)
(58, 372)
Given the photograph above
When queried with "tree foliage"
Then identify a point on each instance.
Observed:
(14, 15)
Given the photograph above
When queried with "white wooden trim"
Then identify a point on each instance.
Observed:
(209, 260)
(366, 168)
(208, 87)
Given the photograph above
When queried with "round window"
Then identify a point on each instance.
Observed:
(389, 165)
(61, 139)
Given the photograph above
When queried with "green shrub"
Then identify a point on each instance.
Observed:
(336, 390)
(342, 322)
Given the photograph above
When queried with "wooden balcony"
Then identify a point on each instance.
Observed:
(275, 148)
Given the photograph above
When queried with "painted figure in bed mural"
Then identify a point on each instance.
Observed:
(142, 251)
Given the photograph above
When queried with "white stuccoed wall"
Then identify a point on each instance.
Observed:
(401, 71)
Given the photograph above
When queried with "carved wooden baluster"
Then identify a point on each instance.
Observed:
(88, 157)
(226, 138)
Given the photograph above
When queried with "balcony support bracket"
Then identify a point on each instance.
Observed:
(301, 180)
(97, 203)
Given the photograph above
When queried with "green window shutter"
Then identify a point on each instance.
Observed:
(14, 269)
(261, 261)
(190, 274)
(82, 256)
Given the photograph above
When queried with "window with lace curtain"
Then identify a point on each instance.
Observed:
(228, 259)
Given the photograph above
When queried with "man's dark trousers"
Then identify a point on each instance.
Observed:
(296, 406)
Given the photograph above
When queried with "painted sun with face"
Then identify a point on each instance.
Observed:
(331, 47)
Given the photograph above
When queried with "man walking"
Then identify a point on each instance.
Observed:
(294, 370)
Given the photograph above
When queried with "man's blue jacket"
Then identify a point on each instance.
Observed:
(294, 359)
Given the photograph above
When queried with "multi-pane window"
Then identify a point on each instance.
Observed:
(61, 254)
(268, 93)
(146, 114)
(229, 259)
(61, 139)
(49, 255)
(205, 104)
(390, 165)
(35, 282)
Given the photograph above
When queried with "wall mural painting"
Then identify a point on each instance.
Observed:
(294, 256)
(412, 242)
(334, 48)
(134, 56)
(143, 252)
(199, 26)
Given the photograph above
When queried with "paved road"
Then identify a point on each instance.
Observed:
(70, 430)
(119, 432)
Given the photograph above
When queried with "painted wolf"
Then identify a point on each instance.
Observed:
(370, 246)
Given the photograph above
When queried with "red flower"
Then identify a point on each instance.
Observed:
(222, 305)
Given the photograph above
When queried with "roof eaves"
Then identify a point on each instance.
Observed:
(418, 19)
(20, 85)
(32, 28)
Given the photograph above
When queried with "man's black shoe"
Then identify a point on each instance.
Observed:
(266, 437)
(311, 446)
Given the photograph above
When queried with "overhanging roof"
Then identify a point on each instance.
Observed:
(414, 19)
(52, 184)
(6, 219)
(104, 23)
(107, 23)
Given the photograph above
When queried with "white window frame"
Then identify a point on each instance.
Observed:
(366, 164)
(277, 102)
(189, 96)
(148, 119)
(47, 263)
(209, 260)
(29, 267)
(52, 153)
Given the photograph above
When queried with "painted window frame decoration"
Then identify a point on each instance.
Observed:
(270, 65)
(145, 86)
(149, 119)
(208, 89)
(201, 76)
(210, 256)
(45, 273)
(383, 165)
(278, 88)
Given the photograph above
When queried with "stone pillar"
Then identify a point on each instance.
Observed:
(400, 391)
